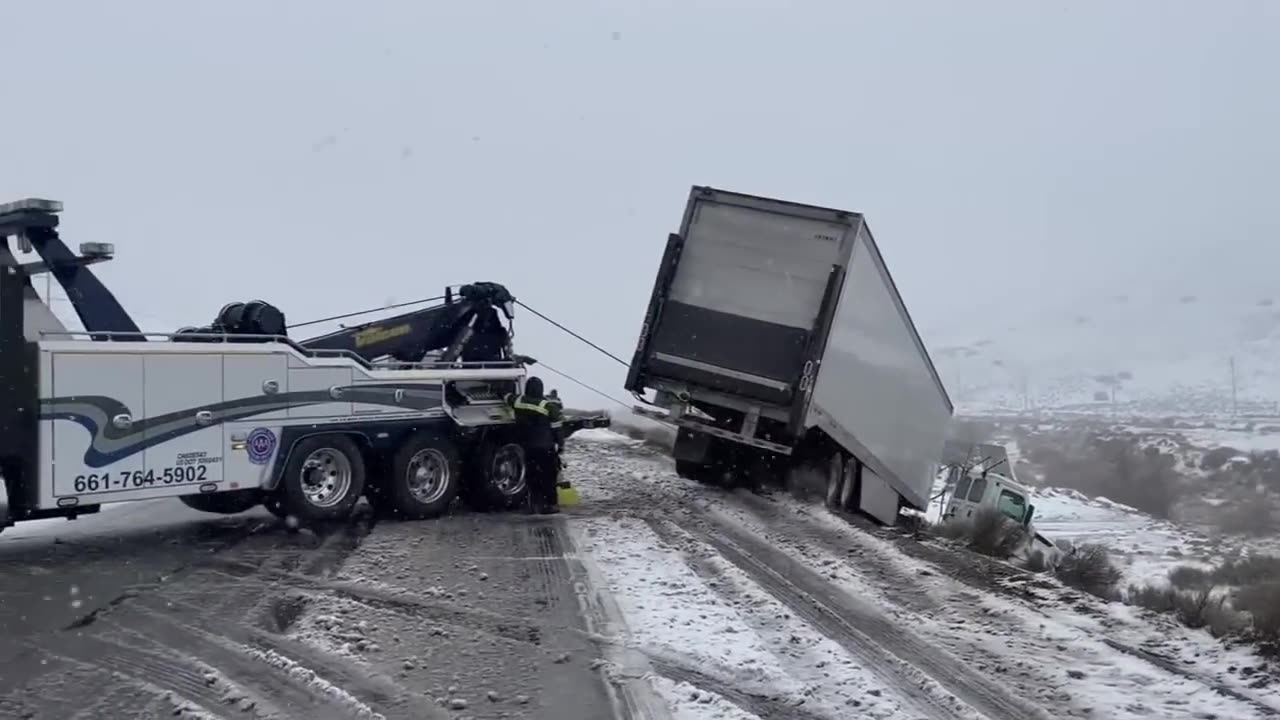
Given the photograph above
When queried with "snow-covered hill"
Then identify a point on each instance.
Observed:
(1153, 354)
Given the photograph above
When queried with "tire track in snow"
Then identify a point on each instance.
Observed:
(172, 636)
(860, 629)
(832, 538)
(822, 617)
(763, 707)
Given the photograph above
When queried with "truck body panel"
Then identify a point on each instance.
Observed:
(876, 391)
(789, 311)
(121, 422)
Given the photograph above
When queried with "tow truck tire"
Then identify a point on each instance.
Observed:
(323, 479)
(499, 480)
(425, 477)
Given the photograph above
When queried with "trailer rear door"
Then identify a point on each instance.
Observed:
(746, 293)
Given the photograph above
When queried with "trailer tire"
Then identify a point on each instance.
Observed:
(698, 472)
(499, 480)
(849, 491)
(835, 479)
(323, 479)
(425, 477)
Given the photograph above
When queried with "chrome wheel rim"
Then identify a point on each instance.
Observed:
(427, 475)
(326, 477)
(507, 471)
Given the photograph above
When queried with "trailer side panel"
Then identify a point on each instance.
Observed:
(877, 392)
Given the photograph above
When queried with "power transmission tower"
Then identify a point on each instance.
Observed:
(1235, 407)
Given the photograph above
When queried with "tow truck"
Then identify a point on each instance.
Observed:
(406, 411)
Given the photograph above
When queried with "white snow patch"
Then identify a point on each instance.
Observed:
(602, 435)
(359, 710)
(1054, 654)
(687, 702)
(739, 634)
(1050, 640)
(671, 612)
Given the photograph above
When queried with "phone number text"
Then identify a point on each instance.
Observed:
(131, 479)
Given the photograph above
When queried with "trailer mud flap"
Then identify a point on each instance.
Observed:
(877, 498)
(691, 446)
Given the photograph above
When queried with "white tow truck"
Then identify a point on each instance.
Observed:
(237, 414)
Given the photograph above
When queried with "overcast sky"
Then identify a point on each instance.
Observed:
(1012, 157)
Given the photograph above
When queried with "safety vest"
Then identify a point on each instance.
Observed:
(539, 407)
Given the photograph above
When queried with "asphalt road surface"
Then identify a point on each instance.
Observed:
(154, 610)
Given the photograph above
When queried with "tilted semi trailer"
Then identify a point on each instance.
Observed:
(777, 343)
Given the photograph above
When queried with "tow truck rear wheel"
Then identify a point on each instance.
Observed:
(424, 480)
(498, 481)
(323, 479)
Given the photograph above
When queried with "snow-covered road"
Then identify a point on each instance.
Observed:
(656, 598)
(831, 617)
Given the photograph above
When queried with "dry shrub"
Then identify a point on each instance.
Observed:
(1089, 568)
(1253, 610)
(1195, 608)
(1217, 457)
(1036, 562)
(1251, 517)
(1156, 598)
(1252, 570)
(994, 533)
(1198, 608)
(1121, 470)
(1188, 577)
(1262, 603)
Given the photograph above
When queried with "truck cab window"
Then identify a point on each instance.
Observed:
(978, 489)
(962, 487)
(1012, 504)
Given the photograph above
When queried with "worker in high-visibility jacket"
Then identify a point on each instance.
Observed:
(536, 417)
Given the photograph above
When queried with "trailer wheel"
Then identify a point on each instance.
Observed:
(425, 478)
(849, 490)
(698, 472)
(835, 479)
(323, 479)
(499, 480)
